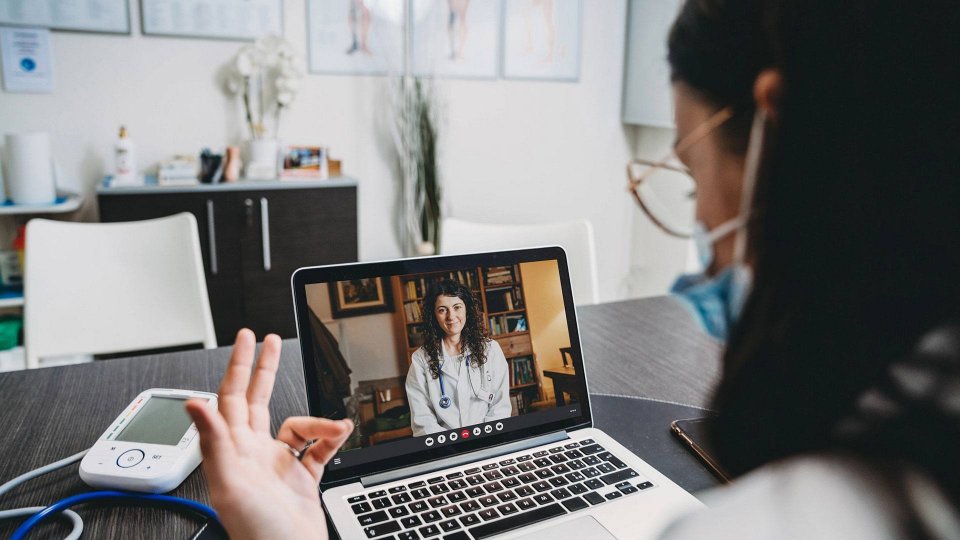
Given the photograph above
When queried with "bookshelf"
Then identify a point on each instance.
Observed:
(500, 292)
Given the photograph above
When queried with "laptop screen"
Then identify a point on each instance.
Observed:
(436, 356)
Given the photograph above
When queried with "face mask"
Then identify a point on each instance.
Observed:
(717, 301)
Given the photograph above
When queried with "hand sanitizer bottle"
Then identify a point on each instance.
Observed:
(126, 159)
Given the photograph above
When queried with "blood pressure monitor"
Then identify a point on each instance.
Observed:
(151, 447)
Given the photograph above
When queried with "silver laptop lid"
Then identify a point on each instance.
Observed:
(372, 337)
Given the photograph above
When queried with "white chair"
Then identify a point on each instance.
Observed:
(114, 287)
(576, 238)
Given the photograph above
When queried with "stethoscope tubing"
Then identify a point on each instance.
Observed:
(445, 400)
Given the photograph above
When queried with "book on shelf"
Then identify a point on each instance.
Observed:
(504, 300)
(507, 324)
(417, 288)
(522, 371)
(518, 402)
(414, 336)
(499, 275)
(413, 312)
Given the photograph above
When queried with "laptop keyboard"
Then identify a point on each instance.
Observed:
(484, 501)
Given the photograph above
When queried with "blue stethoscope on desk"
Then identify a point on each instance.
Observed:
(445, 400)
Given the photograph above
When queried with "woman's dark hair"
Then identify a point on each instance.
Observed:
(854, 228)
(717, 47)
(473, 336)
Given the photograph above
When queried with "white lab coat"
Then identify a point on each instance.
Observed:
(477, 394)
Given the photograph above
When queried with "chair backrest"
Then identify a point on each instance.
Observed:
(575, 237)
(114, 287)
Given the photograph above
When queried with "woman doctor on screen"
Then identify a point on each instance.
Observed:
(459, 376)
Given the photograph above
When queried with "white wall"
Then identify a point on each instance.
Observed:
(511, 151)
(367, 342)
(655, 257)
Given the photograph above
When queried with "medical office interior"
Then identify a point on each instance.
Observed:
(507, 146)
(167, 165)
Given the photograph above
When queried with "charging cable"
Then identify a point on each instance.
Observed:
(29, 510)
(40, 513)
(20, 512)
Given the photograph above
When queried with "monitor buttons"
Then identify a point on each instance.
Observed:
(465, 434)
(476, 431)
(441, 439)
(428, 441)
(499, 426)
(130, 458)
(488, 428)
(453, 436)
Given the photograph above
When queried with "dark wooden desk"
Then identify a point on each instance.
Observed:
(564, 380)
(47, 414)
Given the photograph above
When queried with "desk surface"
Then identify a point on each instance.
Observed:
(51, 413)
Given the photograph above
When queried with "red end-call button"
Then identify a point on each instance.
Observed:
(465, 434)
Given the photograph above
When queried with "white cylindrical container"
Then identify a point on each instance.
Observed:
(262, 160)
(29, 176)
(125, 157)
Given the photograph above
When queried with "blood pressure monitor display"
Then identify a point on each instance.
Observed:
(152, 446)
(162, 420)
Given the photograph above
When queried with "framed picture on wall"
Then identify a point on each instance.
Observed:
(364, 296)
(102, 16)
(541, 39)
(234, 20)
(355, 37)
(456, 38)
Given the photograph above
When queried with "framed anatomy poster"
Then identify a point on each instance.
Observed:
(541, 39)
(456, 38)
(355, 37)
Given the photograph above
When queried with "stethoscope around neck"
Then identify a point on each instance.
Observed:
(445, 400)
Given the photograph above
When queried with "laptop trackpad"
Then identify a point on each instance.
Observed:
(577, 529)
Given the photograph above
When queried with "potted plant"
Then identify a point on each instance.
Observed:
(415, 136)
(267, 74)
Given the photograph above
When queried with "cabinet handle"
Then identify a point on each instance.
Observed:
(212, 238)
(265, 232)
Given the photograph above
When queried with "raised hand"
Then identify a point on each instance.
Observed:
(257, 485)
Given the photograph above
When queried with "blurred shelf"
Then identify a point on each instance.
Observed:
(11, 299)
(67, 202)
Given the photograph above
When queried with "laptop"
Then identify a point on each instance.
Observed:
(506, 449)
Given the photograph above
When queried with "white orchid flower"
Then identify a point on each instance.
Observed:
(245, 63)
(291, 69)
(285, 98)
(287, 84)
(267, 60)
(234, 85)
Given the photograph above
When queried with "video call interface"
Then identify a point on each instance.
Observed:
(422, 361)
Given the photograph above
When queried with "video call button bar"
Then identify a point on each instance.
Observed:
(446, 438)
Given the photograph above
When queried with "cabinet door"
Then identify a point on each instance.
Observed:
(218, 223)
(647, 92)
(285, 230)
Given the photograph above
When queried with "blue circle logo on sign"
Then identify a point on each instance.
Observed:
(28, 64)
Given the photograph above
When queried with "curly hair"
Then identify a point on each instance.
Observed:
(473, 335)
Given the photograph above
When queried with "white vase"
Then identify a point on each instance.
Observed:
(261, 159)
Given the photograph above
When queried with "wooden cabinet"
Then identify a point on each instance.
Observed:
(253, 235)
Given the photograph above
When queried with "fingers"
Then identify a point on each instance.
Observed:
(261, 386)
(297, 430)
(233, 388)
(324, 448)
(328, 434)
(215, 441)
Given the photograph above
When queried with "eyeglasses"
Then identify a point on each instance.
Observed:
(665, 190)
